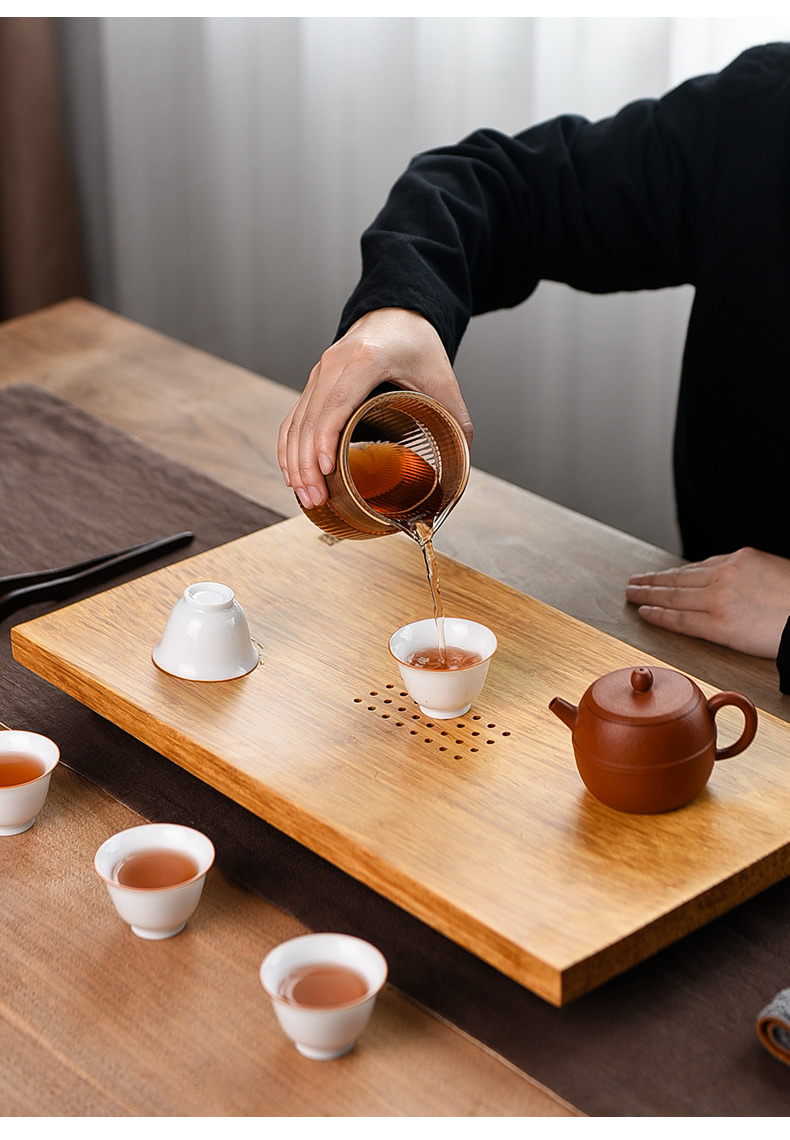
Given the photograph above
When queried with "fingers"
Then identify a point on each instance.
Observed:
(293, 434)
(448, 393)
(309, 435)
(692, 623)
(740, 599)
(679, 589)
(282, 445)
(306, 477)
(679, 600)
(384, 345)
(669, 597)
(691, 574)
(339, 392)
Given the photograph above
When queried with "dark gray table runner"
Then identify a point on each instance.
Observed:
(675, 1036)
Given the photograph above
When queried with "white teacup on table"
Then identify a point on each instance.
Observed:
(27, 761)
(443, 687)
(323, 988)
(206, 637)
(154, 874)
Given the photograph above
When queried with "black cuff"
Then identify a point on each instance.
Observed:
(783, 660)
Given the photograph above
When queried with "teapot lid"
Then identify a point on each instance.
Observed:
(649, 696)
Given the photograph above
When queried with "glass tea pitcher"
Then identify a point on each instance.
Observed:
(402, 460)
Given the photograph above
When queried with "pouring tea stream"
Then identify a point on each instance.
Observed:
(402, 465)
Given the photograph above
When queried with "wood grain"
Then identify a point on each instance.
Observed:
(221, 420)
(95, 1022)
(480, 827)
(201, 411)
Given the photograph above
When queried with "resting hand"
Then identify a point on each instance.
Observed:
(741, 600)
(385, 345)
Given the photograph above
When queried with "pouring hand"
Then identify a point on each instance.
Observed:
(385, 345)
(741, 600)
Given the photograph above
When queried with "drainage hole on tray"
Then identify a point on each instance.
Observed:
(468, 737)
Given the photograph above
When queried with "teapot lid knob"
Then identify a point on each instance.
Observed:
(642, 679)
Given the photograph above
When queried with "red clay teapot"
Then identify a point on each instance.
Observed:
(645, 738)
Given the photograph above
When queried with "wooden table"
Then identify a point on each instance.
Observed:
(76, 989)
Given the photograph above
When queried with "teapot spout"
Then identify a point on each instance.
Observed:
(567, 713)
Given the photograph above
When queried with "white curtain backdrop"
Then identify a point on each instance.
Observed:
(227, 167)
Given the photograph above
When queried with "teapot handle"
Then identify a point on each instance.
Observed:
(717, 701)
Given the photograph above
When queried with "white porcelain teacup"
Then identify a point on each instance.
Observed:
(323, 988)
(206, 637)
(27, 761)
(154, 874)
(443, 693)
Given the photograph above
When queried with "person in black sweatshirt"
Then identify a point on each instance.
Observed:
(692, 188)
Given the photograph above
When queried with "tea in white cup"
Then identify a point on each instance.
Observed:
(154, 874)
(443, 674)
(323, 988)
(27, 761)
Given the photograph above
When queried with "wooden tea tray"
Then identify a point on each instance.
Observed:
(481, 826)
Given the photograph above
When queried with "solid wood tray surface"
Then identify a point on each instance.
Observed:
(481, 827)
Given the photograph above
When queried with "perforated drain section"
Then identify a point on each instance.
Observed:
(469, 733)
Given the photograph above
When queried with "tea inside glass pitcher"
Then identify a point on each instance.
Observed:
(398, 483)
(402, 464)
(395, 481)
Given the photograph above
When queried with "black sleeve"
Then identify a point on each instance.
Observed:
(621, 204)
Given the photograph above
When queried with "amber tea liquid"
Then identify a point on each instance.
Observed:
(323, 985)
(156, 868)
(451, 657)
(395, 481)
(400, 484)
(19, 768)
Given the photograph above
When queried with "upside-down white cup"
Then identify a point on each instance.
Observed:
(323, 1033)
(443, 693)
(206, 637)
(20, 803)
(155, 913)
